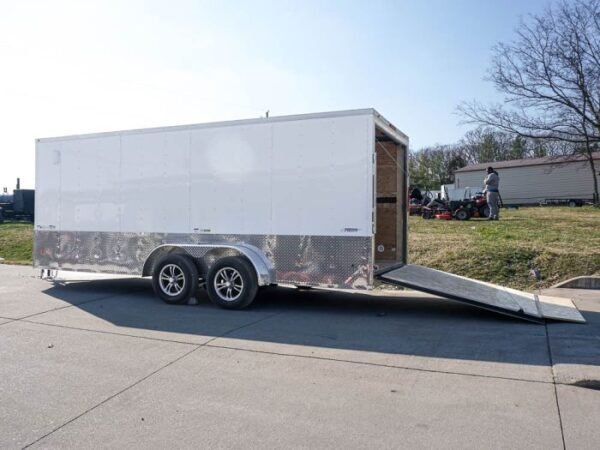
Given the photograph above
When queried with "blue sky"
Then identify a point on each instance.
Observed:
(73, 67)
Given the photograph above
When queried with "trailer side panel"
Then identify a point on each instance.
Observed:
(299, 190)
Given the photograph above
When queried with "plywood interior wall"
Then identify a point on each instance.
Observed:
(386, 235)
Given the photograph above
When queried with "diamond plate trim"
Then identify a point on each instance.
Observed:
(326, 261)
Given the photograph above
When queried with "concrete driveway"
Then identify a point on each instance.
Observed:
(97, 364)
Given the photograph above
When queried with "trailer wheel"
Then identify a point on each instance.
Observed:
(232, 283)
(462, 214)
(175, 279)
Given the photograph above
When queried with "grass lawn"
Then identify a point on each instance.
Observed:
(16, 242)
(561, 242)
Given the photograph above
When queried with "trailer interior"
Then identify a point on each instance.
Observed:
(391, 232)
(390, 200)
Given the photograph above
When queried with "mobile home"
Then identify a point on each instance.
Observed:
(537, 180)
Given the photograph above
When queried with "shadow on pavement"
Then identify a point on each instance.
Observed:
(416, 326)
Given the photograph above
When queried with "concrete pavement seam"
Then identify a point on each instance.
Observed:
(197, 346)
(135, 336)
(78, 304)
(174, 341)
(560, 422)
(243, 326)
(8, 320)
(114, 333)
(415, 369)
(113, 396)
(209, 344)
(24, 318)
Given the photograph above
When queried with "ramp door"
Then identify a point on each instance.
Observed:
(489, 296)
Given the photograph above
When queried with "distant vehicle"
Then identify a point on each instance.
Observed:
(20, 205)
(571, 202)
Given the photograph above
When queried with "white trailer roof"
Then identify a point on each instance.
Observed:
(386, 126)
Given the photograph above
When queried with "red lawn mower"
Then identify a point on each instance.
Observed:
(470, 206)
(476, 206)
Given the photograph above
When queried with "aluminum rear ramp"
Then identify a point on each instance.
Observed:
(489, 296)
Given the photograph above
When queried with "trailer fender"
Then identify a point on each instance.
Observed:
(206, 254)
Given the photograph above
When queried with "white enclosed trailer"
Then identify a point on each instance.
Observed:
(308, 200)
(295, 196)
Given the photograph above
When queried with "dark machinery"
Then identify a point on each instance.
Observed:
(476, 206)
(418, 200)
(18, 206)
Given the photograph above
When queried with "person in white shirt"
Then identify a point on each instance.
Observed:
(492, 194)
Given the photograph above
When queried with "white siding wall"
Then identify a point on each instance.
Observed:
(310, 176)
(534, 184)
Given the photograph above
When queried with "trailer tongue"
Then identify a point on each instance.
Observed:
(488, 296)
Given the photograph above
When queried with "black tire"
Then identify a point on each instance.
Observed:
(462, 214)
(241, 293)
(171, 268)
(572, 203)
(484, 211)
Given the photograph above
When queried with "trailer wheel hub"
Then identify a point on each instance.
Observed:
(172, 280)
(229, 284)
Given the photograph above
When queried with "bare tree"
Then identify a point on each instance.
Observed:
(488, 144)
(550, 77)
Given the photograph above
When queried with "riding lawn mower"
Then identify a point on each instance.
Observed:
(476, 206)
